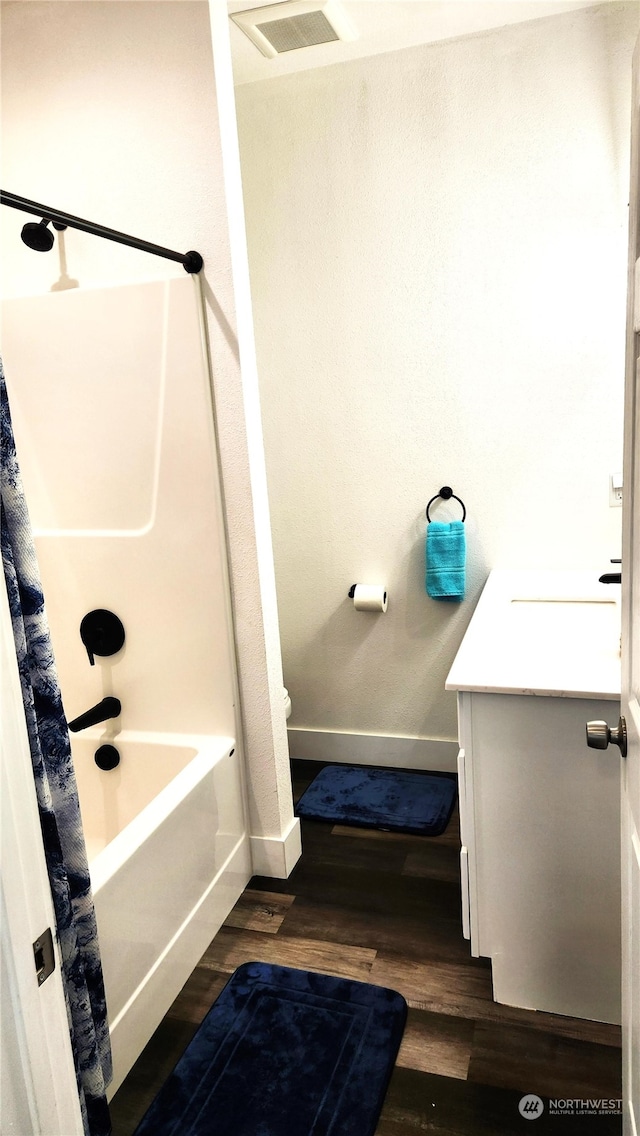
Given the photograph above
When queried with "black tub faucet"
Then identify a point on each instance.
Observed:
(109, 708)
(611, 577)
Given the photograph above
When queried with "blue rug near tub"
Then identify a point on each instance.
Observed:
(416, 803)
(284, 1052)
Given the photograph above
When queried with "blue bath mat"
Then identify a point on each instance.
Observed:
(417, 803)
(284, 1053)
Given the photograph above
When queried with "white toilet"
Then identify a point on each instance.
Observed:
(287, 703)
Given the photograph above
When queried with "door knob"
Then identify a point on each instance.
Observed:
(599, 735)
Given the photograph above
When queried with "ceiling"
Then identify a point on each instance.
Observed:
(387, 25)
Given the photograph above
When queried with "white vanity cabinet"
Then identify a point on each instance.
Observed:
(539, 810)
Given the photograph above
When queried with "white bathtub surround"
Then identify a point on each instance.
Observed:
(374, 749)
(113, 432)
(168, 859)
(450, 309)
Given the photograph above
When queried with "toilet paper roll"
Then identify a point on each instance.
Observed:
(370, 597)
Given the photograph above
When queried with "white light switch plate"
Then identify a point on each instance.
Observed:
(615, 489)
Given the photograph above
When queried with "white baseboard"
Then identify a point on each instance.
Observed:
(276, 856)
(374, 749)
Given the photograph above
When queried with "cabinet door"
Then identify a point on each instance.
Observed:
(547, 822)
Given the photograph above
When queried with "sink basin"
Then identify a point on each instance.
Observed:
(593, 622)
(540, 632)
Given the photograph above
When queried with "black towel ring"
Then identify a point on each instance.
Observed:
(446, 492)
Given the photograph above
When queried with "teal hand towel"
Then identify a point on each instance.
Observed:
(446, 556)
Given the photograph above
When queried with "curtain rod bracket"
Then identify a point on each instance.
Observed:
(192, 262)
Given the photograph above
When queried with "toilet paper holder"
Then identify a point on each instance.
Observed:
(369, 597)
(446, 493)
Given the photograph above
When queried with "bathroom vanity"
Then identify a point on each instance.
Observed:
(539, 810)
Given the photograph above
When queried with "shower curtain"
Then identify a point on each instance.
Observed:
(56, 793)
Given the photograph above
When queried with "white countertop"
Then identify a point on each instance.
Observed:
(542, 632)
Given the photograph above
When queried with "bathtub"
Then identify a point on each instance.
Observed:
(169, 857)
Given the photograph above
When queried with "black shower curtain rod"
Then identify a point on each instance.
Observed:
(191, 261)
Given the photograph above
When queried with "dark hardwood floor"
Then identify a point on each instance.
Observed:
(385, 908)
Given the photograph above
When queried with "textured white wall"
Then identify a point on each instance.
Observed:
(110, 111)
(437, 243)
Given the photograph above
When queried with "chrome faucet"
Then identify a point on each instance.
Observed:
(109, 708)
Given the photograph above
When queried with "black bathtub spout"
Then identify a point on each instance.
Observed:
(108, 708)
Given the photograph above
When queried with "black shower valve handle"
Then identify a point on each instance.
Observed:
(102, 633)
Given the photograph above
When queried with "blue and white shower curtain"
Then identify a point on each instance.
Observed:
(56, 792)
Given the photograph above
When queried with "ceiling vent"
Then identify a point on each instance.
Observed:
(288, 26)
